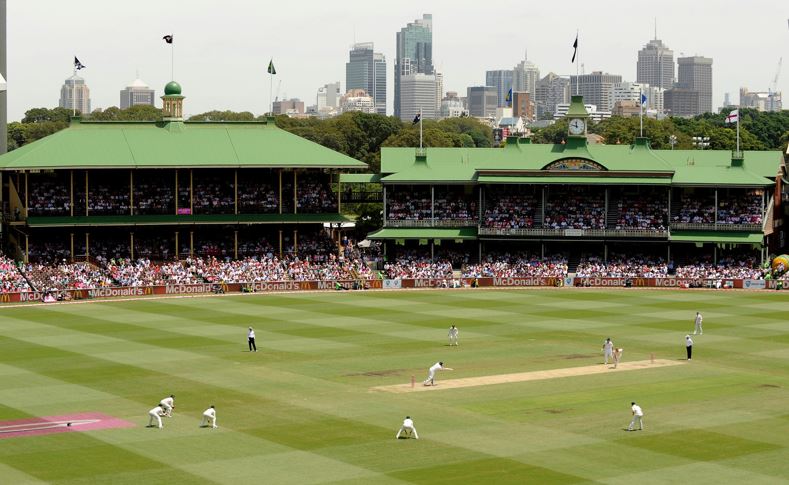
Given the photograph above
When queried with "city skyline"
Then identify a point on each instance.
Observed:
(238, 55)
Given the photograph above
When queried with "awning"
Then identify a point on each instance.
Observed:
(425, 233)
(717, 237)
(501, 179)
(360, 178)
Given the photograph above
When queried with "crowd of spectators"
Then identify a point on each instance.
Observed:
(510, 211)
(66, 276)
(315, 196)
(106, 200)
(643, 213)
(454, 206)
(257, 198)
(11, 280)
(143, 272)
(746, 209)
(730, 266)
(407, 206)
(49, 198)
(153, 198)
(623, 266)
(415, 264)
(213, 195)
(698, 209)
(517, 264)
(575, 208)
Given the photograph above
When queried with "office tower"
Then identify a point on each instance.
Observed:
(4, 76)
(482, 101)
(357, 100)
(655, 65)
(695, 73)
(681, 102)
(418, 93)
(75, 94)
(502, 81)
(452, 106)
(366, 69)
(414, 54)
(595, 88)
(329, 96)
(525, 77)
(550, 91)
(137, 93)
(523, 105)
(629, 91)
(761, 101)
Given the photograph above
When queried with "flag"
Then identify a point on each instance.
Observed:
(168, 38)
(733, 117)
(78, 65)
(271, 69)
(575, 47)
(508, 99)
(643, 99)
(417, 118)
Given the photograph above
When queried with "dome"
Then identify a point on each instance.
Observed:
(138, 83)
(172, 88)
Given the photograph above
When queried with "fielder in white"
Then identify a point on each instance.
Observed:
(697, 329)
(431, 373)
(407, 428)
(453, 335)
(617, 356)
(608, 350)
(209, 417)
(168, 404)
(156, 415)
(638, 415)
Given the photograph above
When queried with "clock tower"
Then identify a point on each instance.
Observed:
(578, 118)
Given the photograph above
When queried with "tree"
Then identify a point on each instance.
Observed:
(40, 115)
(223, 116)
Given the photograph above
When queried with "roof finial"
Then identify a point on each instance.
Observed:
(655, 28)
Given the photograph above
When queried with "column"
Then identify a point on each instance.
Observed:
(27, 195)
(384, 215)
(479, 252)
(72, 246)
(235, 189)
(605, 209)
(191, 244)
(339, 195)
(605, 253)
(295, 194)
(280, 200)
(295, 242)
(339, 240)
(480, 211)
(177, 248)
(176, 201)
(235, 244)
(280, 239)
(432, 250)
(87, 245)
(27, 249)
(668, 216)
(191, 193)
(71, 199)
(716, 208)
(86, 193)
(131, 192)
(432, 212)
(131, 245)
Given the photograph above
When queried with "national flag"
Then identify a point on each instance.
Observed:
(78, 65)
(508, 99)
(575, 47)
(417, 118)
(168, 38)
(733, 117)
(271, 69)
(643, 99)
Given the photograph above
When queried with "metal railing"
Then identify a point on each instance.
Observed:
(431, 223)
(692, 226)
(632, 233)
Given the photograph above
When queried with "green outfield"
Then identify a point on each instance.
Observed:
(302, 410)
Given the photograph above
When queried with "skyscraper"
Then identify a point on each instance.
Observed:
(366, 69)
(655, 65)
(550, 91)
(525, 76)
(75, 94)
(418, 94)
(414, 55)
(4, 75)
(482, 101)
(695, 73)
(137, 93)
(596, 88)
(502, 81)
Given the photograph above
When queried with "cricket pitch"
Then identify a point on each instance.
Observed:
(529, 376)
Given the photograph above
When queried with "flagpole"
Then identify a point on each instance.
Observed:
(577, 64)
(74, 92)
(172, 61)
(270, 93)
(641, 111)
(738, 132)
(420, 127)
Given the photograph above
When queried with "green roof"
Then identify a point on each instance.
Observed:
(174, 144)
(424, 233)
(574, 180)
(684, 167)
(360, 178)
(717, 237)
(172, 88)
(148, 220)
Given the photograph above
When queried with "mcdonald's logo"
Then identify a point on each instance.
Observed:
(148, 290)
(224, 287)
(5, 298)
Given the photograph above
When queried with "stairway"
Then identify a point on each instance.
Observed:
(612, 216)
(573, 260)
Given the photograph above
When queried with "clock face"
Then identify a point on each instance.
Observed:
(577, 126)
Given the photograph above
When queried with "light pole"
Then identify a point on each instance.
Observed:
(672, 140)
(701, 142)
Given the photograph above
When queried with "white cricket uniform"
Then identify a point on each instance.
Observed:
(209, 417)
(155, 415)
(453, 335)
(617, 356)
(431, 373)
(608, 350)
(407, 428)
(698, 325)
(638, 415)
(167, 403)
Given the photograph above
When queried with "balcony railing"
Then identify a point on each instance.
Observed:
(630, 233)
(689, 226)
(431, 223)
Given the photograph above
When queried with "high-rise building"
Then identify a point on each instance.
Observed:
(75, 94)
(501, 80)
(3, 76)
(695, 73)
(137, 93)
(761, 101)
(290, 107)
(482, 101)
(596, 88)
(329, 96)
(523, 105)
(439, 90)
(629, 91)
(414, 54)
(655, 65)
(366, 69)
(550, 91)
(418, 94)
(681, 102)
(525, 77)
(357, 100)
(452, 106)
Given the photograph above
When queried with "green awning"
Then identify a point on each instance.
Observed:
(717, 237)
(424, 233)
(499, 179)
(360, 178)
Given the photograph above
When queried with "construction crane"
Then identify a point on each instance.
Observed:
(772, 93)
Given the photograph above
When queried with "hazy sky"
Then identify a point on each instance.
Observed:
(222, 47)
